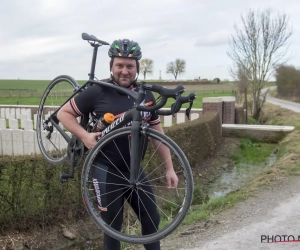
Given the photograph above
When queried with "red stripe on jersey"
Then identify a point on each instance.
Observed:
(75, 107)
(157, 121)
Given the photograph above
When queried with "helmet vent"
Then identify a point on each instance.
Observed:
(125, 46)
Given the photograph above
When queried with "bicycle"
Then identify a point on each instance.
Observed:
(58, 145)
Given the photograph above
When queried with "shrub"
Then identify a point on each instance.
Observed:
(288, 81)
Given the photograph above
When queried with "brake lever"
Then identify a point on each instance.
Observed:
(188, 110)
(174, 108)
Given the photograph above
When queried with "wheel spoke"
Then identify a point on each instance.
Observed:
(121, 177)
(155, 179)
(92, 189)
(121, 209)
(122, 155)
(113, 165)
(150, 159)
(149, 196)
(140, 200)
(156, 168)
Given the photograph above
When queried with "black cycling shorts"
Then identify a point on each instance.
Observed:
(111, 189)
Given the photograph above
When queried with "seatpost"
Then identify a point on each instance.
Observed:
(92, 73)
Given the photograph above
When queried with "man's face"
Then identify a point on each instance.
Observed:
(124, 70)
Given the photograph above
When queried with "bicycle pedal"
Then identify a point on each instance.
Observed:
(63, 180)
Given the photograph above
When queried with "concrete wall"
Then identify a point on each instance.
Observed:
(264, 133)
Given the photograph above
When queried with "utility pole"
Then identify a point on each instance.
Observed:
(160, 75)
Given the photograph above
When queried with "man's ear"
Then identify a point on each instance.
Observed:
(111, 64)
(138, 66)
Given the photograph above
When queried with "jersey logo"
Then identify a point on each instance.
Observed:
(98, 195)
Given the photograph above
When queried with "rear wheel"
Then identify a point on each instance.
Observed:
(52, 144)
(149, 202)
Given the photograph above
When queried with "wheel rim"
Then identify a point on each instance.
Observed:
(171, 204)
(51, 143)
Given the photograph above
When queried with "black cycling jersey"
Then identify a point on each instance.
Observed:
(99, 100)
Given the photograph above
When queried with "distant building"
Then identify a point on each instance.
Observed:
(217, 80)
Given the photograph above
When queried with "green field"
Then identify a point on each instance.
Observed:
(29, 92)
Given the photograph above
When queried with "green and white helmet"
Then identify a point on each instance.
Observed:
(125, 48)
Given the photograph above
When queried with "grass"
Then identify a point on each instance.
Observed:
(200, 95)
(29, 92)
(252, 152)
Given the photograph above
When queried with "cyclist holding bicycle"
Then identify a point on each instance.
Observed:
(124, 69)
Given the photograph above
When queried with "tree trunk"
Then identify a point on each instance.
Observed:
(256, 107)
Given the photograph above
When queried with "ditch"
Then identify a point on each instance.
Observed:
(230, 179)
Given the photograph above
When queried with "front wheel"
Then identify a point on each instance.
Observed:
(147, 210)
(51, 143)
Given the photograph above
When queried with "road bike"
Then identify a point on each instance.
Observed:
(58, 145)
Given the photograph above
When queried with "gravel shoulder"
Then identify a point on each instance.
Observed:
(271, 211)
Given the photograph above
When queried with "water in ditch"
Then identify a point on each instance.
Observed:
(239, 175)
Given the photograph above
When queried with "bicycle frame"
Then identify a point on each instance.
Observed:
(132, 115)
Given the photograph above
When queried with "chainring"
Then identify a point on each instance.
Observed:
(75, 145)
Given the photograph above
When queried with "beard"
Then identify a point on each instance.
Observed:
(125, 82)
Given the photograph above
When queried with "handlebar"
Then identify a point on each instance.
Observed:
(175, 107)
(165, 94)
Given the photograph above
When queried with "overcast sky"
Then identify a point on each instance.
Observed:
(41, 39)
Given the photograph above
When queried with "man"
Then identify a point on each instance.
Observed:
(124, 69)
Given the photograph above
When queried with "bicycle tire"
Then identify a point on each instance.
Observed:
(54, 148)
(184, 190)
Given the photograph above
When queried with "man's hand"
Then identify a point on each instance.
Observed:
(172, 179)
(89, 140)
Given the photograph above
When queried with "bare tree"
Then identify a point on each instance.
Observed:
(146, 66)
(176, 67)
(239, 74)
(257, 48)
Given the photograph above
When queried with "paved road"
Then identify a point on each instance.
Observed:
(274, 212)
(282, 103)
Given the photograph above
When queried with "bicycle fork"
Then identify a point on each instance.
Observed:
(135, 154)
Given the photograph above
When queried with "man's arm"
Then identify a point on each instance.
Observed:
(67, 117)
(165, 156)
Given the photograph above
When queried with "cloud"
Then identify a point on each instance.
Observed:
(21, 49)
(163, 37)
(42, 38)
(217, 38)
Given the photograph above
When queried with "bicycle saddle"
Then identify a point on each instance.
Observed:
(88, 37)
